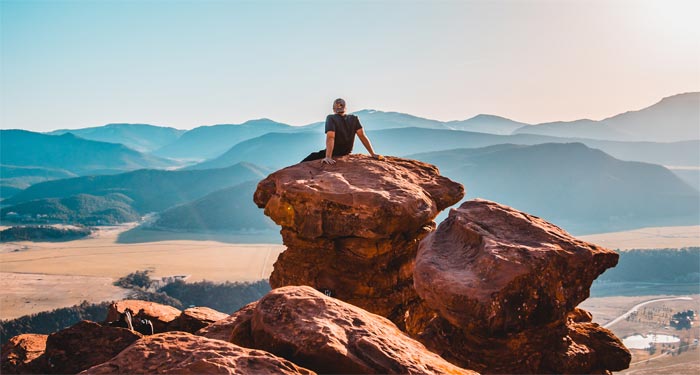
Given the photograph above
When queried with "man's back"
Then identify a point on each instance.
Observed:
(345, 128)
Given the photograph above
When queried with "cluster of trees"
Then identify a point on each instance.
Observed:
(683, 319)
(227, 297)
(52, 321)
(83, 209)
(43, 233)
(656, 265)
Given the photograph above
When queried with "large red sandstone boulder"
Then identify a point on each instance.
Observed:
(160, 315)
(19, 352)
(490, 266)
(223, 329)
(356, 197)
(184, 353)
(352, 229)
(84, 345)
(195, 318)
(500, 289)
(333, 337)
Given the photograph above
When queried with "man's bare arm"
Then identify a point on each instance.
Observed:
(367, 143)
(330, 142)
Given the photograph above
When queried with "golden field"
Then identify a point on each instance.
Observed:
(90, 265)
(648, 238)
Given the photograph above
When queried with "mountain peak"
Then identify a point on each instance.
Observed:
(683, 96)
(484, 116)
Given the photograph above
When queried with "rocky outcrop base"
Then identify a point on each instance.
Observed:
(333, 337)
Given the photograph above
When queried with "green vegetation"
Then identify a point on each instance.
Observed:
(230, 209)
(227, 297)
(651, 272)
(14, 179)
(149, 190)
(672, 266)
(138, 279)
(83, 209)
(43, 233)
(52, 321)
(683, 319)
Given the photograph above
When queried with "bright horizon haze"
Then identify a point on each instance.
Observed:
(76, 64)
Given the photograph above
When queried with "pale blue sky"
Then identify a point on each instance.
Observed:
(72, 64)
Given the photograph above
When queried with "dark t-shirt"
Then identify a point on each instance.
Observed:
(345, 128)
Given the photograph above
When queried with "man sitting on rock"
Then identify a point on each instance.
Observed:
(340, 135)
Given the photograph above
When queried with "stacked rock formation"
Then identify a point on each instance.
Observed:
(495, 281)
(495, 289)
(352, 229)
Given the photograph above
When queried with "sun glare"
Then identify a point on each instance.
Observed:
(675, 18)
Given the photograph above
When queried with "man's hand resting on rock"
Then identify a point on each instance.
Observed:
(328, 161)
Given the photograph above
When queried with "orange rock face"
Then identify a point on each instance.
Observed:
(330, 336)
(195, 318)
(499, 291)
(19, 352)
(184, 353)
(352, 229)
(84, 345)
(160, 315)
(223, 329)
(494, 268)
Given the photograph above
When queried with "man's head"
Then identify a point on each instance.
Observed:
(339, 106)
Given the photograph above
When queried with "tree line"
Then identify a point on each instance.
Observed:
(226, 297)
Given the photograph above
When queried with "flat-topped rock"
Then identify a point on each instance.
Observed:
(356, 197)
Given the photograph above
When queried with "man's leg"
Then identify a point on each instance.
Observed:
(315, 156)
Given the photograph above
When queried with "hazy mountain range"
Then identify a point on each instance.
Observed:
(140, 137)
(151, 190)
(71, 153)
(675, 118)
(584, 175)
(210, 141)
(277, 150)
(225, 209)
(582, 189)
(80, 208)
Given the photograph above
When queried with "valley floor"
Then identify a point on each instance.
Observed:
(30, 293)
(41, 276)
(648, 238)
(645, 315)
